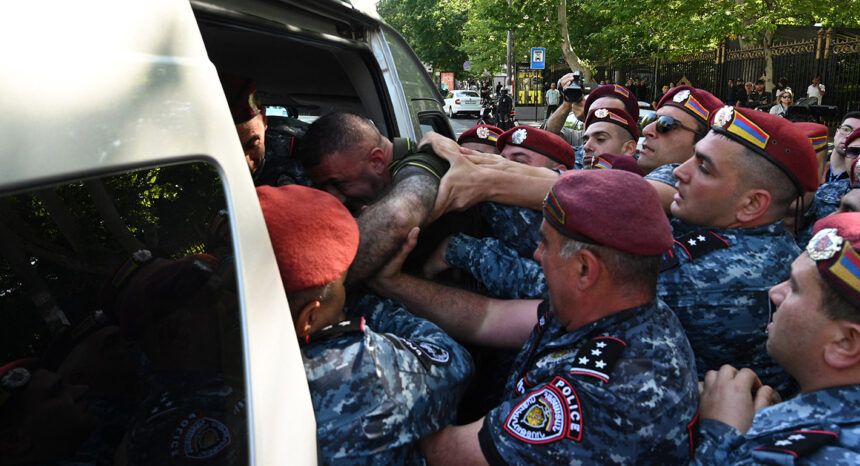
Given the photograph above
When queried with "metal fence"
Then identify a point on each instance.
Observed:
(833, 56)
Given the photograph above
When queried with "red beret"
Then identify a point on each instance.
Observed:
(585, 205)
(540, 141)
(616, 116)
(314, 237)
(774, 138)
(482, 134)
(854, 174)
(618, 162)
(834, 248)
(241, 96)
(619, 92)
(699, 103)
(851, 137)
(816, 132)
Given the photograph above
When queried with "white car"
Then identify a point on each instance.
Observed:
(460, 102)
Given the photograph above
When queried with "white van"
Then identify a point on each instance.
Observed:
(142, 317)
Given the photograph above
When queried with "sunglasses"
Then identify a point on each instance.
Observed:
(852, 152)
(665, 123)
(785, 96)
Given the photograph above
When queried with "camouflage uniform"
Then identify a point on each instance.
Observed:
(578, 153)
(664, 174)
(517, 227)
(503, 272)
(377, 392)
(826, 201)
(621, 390)
(716, 281)
(832, 414)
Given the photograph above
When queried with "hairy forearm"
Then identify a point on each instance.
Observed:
(384, 225)
(515, 189)
(556, 121)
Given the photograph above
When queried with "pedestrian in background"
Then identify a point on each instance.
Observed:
(552, 100)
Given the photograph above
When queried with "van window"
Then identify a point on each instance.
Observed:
(120, 326)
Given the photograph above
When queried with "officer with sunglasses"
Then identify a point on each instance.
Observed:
(837, 184)
(670, 134)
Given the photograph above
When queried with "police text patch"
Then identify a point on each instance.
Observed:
(546, 415)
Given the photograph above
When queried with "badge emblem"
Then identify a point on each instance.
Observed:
(519, 136)
(549, 414)
(601, 113)
(483, 132)
(824, 245)
(724, 115)
(16, 378)
(681, 96)
(200, 438)
(436, 353)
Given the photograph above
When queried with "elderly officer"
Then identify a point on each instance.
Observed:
(382, 379)
(730, 245)
(815, 336)
(511, 273)
(481, 138)
(605, 374)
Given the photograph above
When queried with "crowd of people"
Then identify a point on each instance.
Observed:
(693, 300)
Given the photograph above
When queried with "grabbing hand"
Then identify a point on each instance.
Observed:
(733, 396)
(386, 277)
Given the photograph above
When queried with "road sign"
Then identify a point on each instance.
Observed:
(538, 58)
(467, 65)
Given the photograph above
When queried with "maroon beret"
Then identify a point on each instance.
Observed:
(618, 162)
(851, 137)
(615, 116)
(313, 235)
(834, 248)
(540, 141)
(481, 134)
(816, 132)
(699, 103)
(619, 92)
(584, 205)
(241, 96)
(774, 138)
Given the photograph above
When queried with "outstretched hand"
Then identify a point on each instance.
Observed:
(733, 396)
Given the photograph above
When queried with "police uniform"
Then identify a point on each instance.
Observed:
(664, 174)
(381, 381)
(620, 390)
(717, 281)
(827, 199)
(821, 427)
(498, 267)
(517, 227)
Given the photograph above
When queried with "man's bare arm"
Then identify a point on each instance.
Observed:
(464, 315)
(455, 445)
(384, 225)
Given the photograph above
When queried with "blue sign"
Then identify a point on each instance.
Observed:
(467, 65)
(538, 58)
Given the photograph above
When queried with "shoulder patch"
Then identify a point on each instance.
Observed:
(699, 243)
(800, 442)
(547, 415)
(597, 357)
(199, 438)
(427, 353)
(336, 330)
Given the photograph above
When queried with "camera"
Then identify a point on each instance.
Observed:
(573, 92)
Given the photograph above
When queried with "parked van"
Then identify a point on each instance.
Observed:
(142, 316)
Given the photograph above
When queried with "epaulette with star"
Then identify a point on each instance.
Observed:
(597, 357)
(800, 442)
(699, 243)
(336, 330)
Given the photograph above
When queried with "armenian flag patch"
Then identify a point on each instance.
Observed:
(748, 131)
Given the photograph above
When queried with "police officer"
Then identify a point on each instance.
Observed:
(730, 244)
(605, 374)
(814, 336)
(481, 138)
(380, 378)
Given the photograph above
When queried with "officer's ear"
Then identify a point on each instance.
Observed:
(306, 318)
(843, 349)
(629, 148)
(753, 204)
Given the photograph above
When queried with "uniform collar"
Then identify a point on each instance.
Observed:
(621, 319)
(825, 406)
(680, 228)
